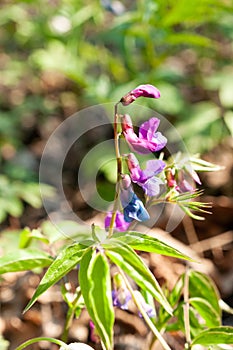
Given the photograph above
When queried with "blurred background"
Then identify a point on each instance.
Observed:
(60, 56)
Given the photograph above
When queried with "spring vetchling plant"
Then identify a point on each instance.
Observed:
(194, 296)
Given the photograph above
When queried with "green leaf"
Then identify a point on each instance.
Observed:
(214, 336)
(176, 292)
(189, 38)
(225, 92)
(65, 261)
(3, 213)
(140, 241)
(189, 213)
(173, 298)
(123, 256)
(13, 206)
(195, 325)
(228, 118)
(25, 238)
(24, 259)
(30, 193)
(199, 164)
(95, 283)
(64, 230)
(203, 287)
(207, 312)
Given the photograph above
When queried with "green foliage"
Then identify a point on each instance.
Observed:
(95, 283)
(65, 262)
(146, 243)
(202, 286)
(124, 257)
(214, 336)
(204, 311)
(21, 260)
(95, 54)
(14, 193)
(95, 288)
(103, 54)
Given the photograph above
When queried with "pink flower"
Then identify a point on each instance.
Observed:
(148, 140)
(146, 90)
(186, 180)
(183, 179)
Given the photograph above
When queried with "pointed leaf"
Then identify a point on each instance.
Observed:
(65, 261)
(202, 286)
(207, 312)
(140, 241)
(95, 283)
(24, 259)
(125, 257)
(189, 213)
(202, 165)
(214, 336)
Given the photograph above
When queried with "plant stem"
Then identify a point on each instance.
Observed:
(144, 314)
(69, 317)
(186, 309)
(119, 171)
(36, 340)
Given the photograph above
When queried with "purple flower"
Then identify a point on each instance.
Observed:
(147, 307)
(121, 297)
(146, 178)
(146, 90)
(133, 207)
(119, 224)
(148, 139)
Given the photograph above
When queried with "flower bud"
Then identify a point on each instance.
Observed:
(145, 90)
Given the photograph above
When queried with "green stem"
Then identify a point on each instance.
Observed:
(69, 317)
(144, 314)
(186, 309)
(119, 171)
(36, 340)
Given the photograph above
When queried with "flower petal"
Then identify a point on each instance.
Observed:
(148, 140)
(153, 167)
(119, 224)
(135, 210)
(148, 128)
(152, 186)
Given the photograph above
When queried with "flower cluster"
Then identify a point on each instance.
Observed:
(174, 181)
(147, 141)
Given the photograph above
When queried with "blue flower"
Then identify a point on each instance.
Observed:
(133, 207)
